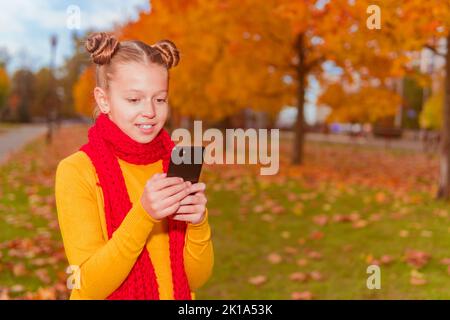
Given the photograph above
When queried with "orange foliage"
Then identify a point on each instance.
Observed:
(83, 92)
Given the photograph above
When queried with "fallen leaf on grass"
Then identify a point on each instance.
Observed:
(19, 269)
(48, 293)
(417, 258)
(291, 196)
(4, 294)
(375, 217)
(290, 250)
(302, 262)
(315, 275)
(258, 209)
(39, 262)
(298, 276)
(441, 213)
(417, 278)
(314, 255)
(346, 217)
(320, 219)
(354, 216)
(305, 295)
(347, 248)
(17, 288)
(426, 233)
(277, 209)
(257, 280)
(316, 235)
(43, 275)
(380, 197)
(274, 258)
(267, 217)
(403, 233)
(386, 259)
(359, 224)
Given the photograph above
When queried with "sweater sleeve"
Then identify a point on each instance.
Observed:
(198, 253)
(102, 264)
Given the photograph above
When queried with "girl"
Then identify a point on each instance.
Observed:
(130, 232)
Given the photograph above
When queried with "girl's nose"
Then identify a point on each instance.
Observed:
(149, 110)
(148, 113)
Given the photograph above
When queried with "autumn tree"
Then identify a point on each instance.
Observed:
(5, 87)
(310, 37)
(433, 29)
(70, 72)
(367, 104)
(409, 27)
(83, 92)
(45, 93)
(23, 82)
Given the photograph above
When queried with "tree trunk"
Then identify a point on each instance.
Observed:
(444, 183)
(300, 123)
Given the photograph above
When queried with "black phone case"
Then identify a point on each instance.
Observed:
(188, 169)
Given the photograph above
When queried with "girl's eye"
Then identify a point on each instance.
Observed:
(161, 100)
(133, 100)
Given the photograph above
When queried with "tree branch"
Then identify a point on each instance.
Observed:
(314, 63)
(435, 51)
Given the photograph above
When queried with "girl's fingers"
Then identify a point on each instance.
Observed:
(165, 182)
(195, 208)
(169, 191)
(197, 198)
(170, 210)
(199, 186)
(188, 217)
(176, 198)
(158, 176)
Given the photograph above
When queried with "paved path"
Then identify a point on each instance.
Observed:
(16, 138)
(371, 141)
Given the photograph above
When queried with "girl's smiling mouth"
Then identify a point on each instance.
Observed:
(146, 128)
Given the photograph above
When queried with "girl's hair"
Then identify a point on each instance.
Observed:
(107, 52)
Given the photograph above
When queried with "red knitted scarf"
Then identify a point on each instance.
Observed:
(107, 142)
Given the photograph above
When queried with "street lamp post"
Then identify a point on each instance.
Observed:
(52, 113)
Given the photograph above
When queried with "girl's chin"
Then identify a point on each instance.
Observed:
(144, 139)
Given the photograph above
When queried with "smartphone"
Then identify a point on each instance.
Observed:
(186, 162)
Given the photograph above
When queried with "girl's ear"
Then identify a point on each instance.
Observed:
(102, 100)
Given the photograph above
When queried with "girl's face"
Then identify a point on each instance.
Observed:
(137, 99)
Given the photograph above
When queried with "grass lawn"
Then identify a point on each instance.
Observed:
(321, 241)
(309, 232)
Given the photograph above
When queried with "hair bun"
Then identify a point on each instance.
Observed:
(169, 52)
(102, 47)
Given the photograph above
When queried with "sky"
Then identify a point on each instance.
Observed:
(26, 25)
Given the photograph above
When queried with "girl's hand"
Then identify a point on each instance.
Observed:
(192, 208)
(162, 195)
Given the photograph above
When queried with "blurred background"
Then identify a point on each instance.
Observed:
(360, 90)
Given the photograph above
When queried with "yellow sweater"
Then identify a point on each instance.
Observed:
(104, 264)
